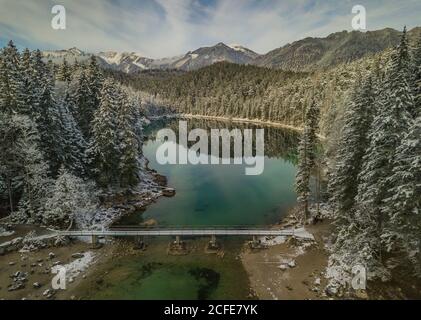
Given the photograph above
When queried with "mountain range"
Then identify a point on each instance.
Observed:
(304, 55)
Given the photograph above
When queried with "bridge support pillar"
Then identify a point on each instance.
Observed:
(177, 247)
(213, 245)
(94, 241)
(140, 242)
(255, 243)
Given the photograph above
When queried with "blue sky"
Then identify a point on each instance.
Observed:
(161, 28)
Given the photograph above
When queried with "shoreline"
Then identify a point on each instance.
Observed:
(244, 120)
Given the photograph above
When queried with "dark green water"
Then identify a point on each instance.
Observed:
(207, 195)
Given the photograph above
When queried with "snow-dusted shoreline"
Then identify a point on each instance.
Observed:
(146, 192)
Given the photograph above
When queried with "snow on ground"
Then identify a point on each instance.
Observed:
(76, 267)
(300, 233)
(5, 233)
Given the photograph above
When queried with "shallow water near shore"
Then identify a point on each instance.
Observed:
(153, 274)
(206, 195)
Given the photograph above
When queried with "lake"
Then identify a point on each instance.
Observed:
(206, 195)
(223, 195)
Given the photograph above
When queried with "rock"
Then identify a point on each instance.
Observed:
(36, 285)
(289, 288)
(77, 255)
(33, 265)
(317, 281)
(49, 293)
(17, 285)
(12, 263)
(292, 264)
(56, 263)
(51, 255)
(283, 267)
(361, 294)
(168, 192)
(331, 291)
(40, 260)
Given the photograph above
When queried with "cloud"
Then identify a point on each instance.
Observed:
(160, 28)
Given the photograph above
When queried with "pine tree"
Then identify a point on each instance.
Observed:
(10, 80)
(28, 91)
(10, 166)
(104, 149)
(395, 103)
(95, 80)
(352, 145)
(129, 143)
(64, 72)
(307, 156)
(84, 112)
(416, 81)
(47, 120)
(73, 145)
(34, 172)
(402, 207)
(22, 165)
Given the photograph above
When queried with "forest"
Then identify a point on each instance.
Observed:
(67, 133)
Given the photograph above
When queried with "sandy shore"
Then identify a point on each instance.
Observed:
(270, 280)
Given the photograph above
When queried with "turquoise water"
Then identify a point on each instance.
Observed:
(209, 195)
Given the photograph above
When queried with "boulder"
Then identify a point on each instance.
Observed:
(77, 255)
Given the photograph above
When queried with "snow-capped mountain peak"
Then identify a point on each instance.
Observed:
(130, 62)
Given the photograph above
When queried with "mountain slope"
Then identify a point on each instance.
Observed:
(340, 47)
(206, 56)
(127, 61)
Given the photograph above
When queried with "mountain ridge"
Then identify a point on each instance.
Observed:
(307, 54)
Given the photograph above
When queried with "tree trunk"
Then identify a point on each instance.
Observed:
(9, 187)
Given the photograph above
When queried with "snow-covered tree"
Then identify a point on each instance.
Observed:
(10, 80)
(23, 167)
(72, 201)
(35, 175)
(95, 80)
(73, 144)
(104, 149)
(129, 142)
(351, 147)
(403, 205)
(364, 238)
(64, 72)
(307, 156)
(84, 111)
(416, 81)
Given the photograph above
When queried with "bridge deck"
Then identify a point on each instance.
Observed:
(182, 232)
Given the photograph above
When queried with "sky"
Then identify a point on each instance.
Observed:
(164, 28)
